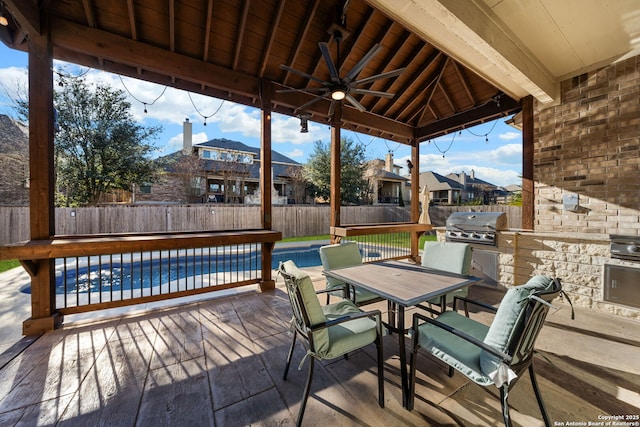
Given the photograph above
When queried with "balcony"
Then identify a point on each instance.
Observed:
(219, 362)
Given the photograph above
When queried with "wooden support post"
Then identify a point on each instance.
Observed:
(42, 183)
(336, 123)
(528, 199)
(415, 198)
(266, 205)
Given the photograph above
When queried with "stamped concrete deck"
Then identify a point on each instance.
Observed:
(219, 362)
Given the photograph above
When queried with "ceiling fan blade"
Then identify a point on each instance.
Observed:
(333, 72)
(306, 89)
(381, 76)
(373, 93)
(309, 103)
(332, 108)
(355, 103)
(301, 73)
(362, 63)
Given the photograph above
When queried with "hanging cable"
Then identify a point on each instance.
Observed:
(198, 111)
(142, 102)
(361, 143)
(64, 76)
(448, 148)
(390, 150)
(486, 135)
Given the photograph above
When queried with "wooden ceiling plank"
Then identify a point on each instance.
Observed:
(311, 13)
(240, 34)
(272, 36)
(172, 25)
(132, 20)
(465, 82)
(89, 13)
(207, 31)
(446, 96)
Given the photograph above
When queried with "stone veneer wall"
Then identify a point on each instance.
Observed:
(588, 145)
(578, 259)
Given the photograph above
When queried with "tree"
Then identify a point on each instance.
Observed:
(352, 158)
(189, 169)
(98, 145)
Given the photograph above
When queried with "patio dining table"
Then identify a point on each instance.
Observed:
(404, 285)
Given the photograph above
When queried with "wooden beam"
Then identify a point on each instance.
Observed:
(26, 13)
(528, 189)
(266, 184)
(97, 43)
(484, 113)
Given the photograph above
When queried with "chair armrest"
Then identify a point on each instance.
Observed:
(417, 316)
(474, 302)
(323, 325)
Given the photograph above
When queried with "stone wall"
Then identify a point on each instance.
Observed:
(588, 145)
(578, 259)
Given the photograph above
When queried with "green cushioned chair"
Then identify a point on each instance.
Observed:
(452, 257)
(328, 331)
(345, 254)
(497, 354)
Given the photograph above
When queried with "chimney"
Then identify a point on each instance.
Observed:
(186, 137)
(473, 174)
(388, 162)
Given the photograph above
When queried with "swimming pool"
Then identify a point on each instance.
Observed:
(118, 275)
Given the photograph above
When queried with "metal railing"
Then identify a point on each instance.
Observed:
(383, 241)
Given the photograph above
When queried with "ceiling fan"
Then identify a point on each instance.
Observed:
(339, 88)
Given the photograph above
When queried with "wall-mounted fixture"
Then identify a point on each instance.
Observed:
(4, 21)
(570, 202)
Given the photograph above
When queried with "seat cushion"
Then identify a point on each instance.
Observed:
(507, 317)
(347, 336)
(453, 350)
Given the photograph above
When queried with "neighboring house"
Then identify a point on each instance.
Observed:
(475, 190)
(442, 190)
(385, 181)
(221, 171)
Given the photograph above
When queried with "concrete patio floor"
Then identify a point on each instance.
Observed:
(219, 362)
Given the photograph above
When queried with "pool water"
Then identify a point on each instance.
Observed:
(127, 276)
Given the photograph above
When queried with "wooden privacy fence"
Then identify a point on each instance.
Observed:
(291, 220)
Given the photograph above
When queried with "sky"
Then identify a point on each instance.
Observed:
(495, 158)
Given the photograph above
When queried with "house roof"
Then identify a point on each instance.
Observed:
(230, 145)
(470, 180)
(437, 182)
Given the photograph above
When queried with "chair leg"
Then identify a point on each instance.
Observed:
(286, 368)
(380, 371)
(504, 396)
(412, 378)
(536, 390)
(305, 396)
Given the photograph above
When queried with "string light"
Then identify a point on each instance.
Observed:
(62, 76)
(198, 111)
(486, 135)
(448, 148)
(142, 102)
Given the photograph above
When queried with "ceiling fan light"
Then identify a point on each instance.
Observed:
(338, 95)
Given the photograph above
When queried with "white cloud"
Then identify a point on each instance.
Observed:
(510, 136)
(295, 153)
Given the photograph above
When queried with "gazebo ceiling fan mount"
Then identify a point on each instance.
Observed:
(338, 89)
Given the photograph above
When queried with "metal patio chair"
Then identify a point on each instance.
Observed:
(328, 331)
(496, 354)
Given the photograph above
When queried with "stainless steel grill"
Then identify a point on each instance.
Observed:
(475, 227)
(625, 247)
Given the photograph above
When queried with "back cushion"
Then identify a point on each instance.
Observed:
(453, 257)
(338, 256)
(510, 309)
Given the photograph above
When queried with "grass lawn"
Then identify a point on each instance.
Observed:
(9, 264)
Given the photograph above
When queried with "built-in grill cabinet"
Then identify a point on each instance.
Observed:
(475, 227)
